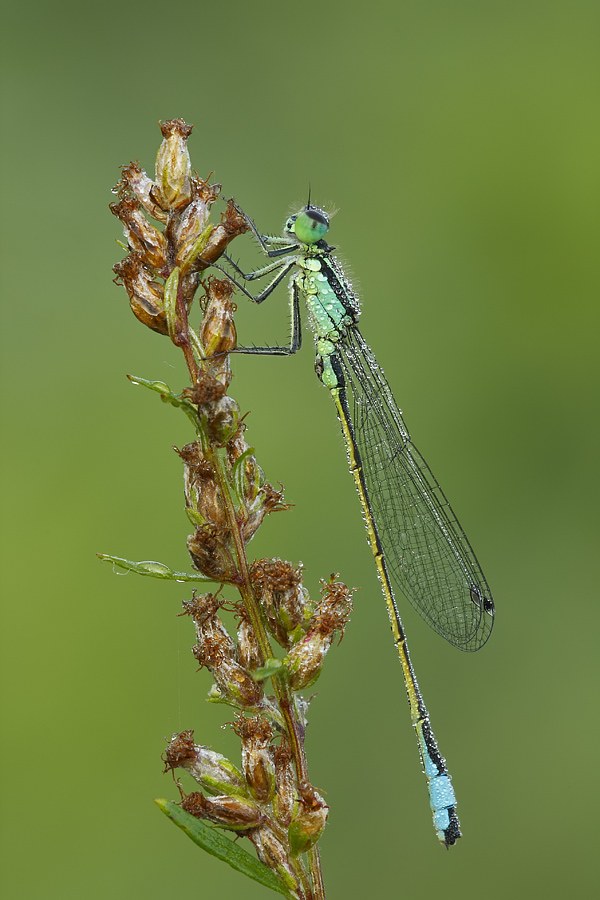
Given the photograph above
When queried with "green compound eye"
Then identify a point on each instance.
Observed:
(311, 225)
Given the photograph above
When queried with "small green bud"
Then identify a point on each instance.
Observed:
(305, 660)
(308, 826)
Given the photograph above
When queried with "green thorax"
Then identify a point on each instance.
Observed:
(332, 304)
(330, 312)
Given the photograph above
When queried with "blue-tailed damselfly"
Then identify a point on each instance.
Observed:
(416, 539)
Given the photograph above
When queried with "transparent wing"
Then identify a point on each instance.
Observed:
(427, 553)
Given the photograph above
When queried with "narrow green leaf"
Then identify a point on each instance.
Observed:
(170, 295)
(152, 569)
(217, 844)
(168, 396)
(197, 249)
(159, 386)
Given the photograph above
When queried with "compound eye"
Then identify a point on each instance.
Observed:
(312, 224)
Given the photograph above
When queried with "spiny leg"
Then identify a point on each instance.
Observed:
(265, 241)
(259, 273)
(285, 266)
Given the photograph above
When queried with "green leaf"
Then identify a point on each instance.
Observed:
(196, 518)
(271, 667)
(217, 844)
(167, 395)
(152, 569)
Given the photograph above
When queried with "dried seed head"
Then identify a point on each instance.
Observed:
(217, 331)
(146, 296)
(180, 752)
(211, 653)
(258, 764)
(209, 550)
(204, 501)
(205, 498)
(193, 455)
(135, 182)
(203, 608)
(278, 585)
(237, 684)
(249, 654)
(211, 770)
(211, 547)
(238, 445)
(267, 500)
(173, 166)
(253, 480)
(188, 229)
(254, 731)
(230, 812)
(206, 390)
(305, 660)
(284, 801)
(334, 608)
(142, 238)
(222, 420)
(180, 201)
(216, 651)
(232, 224)
(208, 624)
(188, 285)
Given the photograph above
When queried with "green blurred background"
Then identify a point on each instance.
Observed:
(460, 143)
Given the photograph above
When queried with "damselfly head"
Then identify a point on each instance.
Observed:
(310, 225)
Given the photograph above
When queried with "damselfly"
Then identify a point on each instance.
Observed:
(417, 541)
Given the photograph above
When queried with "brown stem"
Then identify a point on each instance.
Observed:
(295, 733)
(182, 339)
(285, 698)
